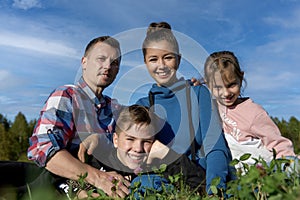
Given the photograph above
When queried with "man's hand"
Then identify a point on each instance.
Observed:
(112, 183)
(65, 165)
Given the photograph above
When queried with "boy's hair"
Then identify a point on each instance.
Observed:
(225, 63)
(105, 39)
(127, 116)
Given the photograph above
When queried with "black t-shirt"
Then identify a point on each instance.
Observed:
(193, 175)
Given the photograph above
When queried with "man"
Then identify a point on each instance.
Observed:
(73, 111)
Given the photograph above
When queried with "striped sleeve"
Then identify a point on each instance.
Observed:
(55, 126)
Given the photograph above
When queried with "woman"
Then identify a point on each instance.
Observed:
(192, 122)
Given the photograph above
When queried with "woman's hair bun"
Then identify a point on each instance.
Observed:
(153, 27)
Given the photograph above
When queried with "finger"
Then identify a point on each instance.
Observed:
(92, 147)
(121, 193)
(117, 191)
(112, 191)
(118, 185)
(95, 194)
(81, 152)
(126, 183)
(82, 194)
(121, 180)
(123, 188)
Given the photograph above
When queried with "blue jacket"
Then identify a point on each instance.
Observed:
(212, 152)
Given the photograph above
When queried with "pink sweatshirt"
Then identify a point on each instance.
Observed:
(248, 120)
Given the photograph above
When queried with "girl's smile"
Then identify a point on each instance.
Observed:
(227, 94)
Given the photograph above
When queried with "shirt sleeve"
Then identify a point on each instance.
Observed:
(216, 150)
(54, 127)
(270, 134)
(217, 167)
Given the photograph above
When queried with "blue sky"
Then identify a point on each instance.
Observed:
(41, 44)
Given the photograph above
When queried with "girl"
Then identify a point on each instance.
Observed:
(192, 122)
(247, 126)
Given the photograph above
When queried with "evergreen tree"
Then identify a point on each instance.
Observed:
(294, 129)
(19, 136)
(4, 143)
(4, 122)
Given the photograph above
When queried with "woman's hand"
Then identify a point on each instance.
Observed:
(197, 81)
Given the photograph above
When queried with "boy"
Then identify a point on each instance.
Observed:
(136, 153)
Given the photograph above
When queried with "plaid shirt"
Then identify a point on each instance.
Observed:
(70, 113)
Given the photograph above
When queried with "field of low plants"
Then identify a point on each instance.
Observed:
(277, 180)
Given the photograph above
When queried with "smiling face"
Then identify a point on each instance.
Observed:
(226, 92)
(133, 145)
(100, 66)
(224, 77)
(162, 62)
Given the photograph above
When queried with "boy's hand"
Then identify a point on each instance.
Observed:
(158, 151)
(88, 146)
(96, 143)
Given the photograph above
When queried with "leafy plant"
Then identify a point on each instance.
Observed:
(275, 180)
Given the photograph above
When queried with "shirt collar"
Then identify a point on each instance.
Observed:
(99, 103)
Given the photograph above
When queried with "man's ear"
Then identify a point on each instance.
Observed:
(115, 140)
(83, 62)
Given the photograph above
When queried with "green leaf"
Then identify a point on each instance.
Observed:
(234, 162)
(246, 156)
(214, 189)
(163, 167)
(216, 181)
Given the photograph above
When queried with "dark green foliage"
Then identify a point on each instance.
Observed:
(14, 137)
(4, 122)
(263, 181)
(290, 129)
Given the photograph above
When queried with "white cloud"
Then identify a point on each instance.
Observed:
(8, 80)
(291, 22)
(4, 100)
(261, 79)
(286, 45)
(3, 75)
(37, 44)
(26, 4)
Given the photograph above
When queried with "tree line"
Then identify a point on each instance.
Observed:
(14, 135)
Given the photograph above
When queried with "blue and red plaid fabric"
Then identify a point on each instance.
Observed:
(70, 114)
